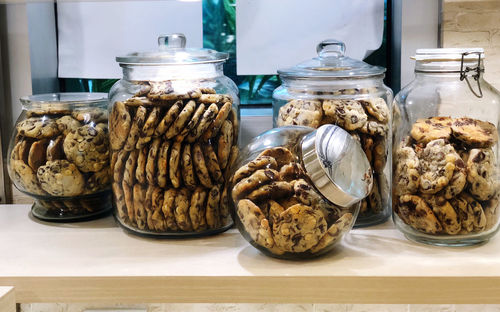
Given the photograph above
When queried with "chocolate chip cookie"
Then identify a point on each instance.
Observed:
(119, 125)
(474, 132)
(429, 129)
(61, 178)
(301, 112)
(88, 148)
(38, 127)
(481, 167)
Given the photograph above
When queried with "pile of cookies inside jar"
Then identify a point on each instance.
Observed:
(446, 177)
(59, 154)
(172, 150)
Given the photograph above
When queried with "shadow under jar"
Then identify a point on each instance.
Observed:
(335, 89)
(59, 155)
(174, 125)
(446, 182)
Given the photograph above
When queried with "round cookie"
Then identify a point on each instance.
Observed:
(200, 166)
(197, 209)
(158, 89)
(206, 120)
(415, 212)
(224, 143)
(282, 155)
(347, 113)
(182, 120)
(168, 209)
(67, 123)
(163, 171)
(212, 211)
(299, 228)
(61, 178)
(151, 122)
(219, 120)
(55, 148)
(95, 115)
(88, 148)
(260, 162)
(130, 168)
(152, 160)
(481, 168)
(210, 98)
(119, 198)
(300, 112)
(119, 166)
(480, 221)
(174, 165)
(212, 163)
(255, 180)
(119, 125)
(305, 193)
(193, 122)
(334, 233)
(437, 164)
(157, 220)
(38, 127)
(181, 211)
(139, 194)
(25, 176)
(464, 212)
(135, 128)
(98, 181)
(128, 194)
(37, 154)
(407, 174)
(425, 130)
(474, 132)
(188, 174)
(445, 213)
(233, 118)
(377, 108)
(140, 170)
(169, 118)
(276, 190)
(457, 181)
(374, 127)
(137, 101)
(290, 171)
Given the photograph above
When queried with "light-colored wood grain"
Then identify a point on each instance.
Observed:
(98, 262)
(7, 299)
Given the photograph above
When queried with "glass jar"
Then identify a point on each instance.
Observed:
(296, 191)
(335, 89)
(446, 182)
(174, 124)
(59, 155)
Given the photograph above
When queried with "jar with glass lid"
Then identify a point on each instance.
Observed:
(335, 89)
(297, 190)
(59, 155)
(174, 125)
(445, 175)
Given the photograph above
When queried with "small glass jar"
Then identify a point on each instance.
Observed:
(174, 125)
(296, 191)
(59, 155)
(446, 182)
(335, 89)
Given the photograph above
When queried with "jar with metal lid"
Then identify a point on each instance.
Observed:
(446, 182)
(59, 155)
(335, 89)
(174, 124)
(296, 190)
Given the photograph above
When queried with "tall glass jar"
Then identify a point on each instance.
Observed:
(446, 182)
(174, 124)
(335, 89)
(59, 155)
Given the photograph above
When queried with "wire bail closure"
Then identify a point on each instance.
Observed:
(476, 76)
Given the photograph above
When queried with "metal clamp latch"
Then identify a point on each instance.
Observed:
(463, 73)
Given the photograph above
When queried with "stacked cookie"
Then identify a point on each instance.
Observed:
(172, 152)
(366, 119)
(59, 152)
(280, 211)
(445, 176)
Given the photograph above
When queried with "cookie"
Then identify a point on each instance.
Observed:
(206, 120)
(193, 122)
(276, 190)
(478, 212)
(128, 194)
(377, 108)
(157, 219)
(289, 171)
(158, 89)
(224, 143)
(168, 209)
(305, 193)
(37, 154)
(98, 181)
(233, 156)
(174, 164)
(407, 174)
(26, 177)
(299, 228)
(457, 181)
(119, 125)
(197, 209)
(55, 149)
(282, 155)
(415, 212)
(171, 115)
(212, 163)
(119, 201)
(49, 109)
(255, 180)
(465, 214)
(481, 168)
(119, 166)
(212, 211)
(274, 211)
(67, 123)
(491, 212)
(191, 94)
(210, 98)
(137, 101)
(181, 211)
(188, 174)
(88, 148)
(139, 194)
(379, 154)
(346, 113)
(152, 161)
(38, 127)
(207, 90)
(429, 129)
(445, 213)
(234, 119)
(474, 132)
(130, 168)
(374, 198)
(182, 120)
(200, 166)
(61, 178)
(163, 172)
(135, 129)
(148, 206)
(225, 215)
(95, 115)
(437, 164)
(140, 170)
(219, 120)
(151, 123)
(374, 127)
(335, 232)
(306, 113)
(367, 144)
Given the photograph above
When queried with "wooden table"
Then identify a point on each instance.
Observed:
(97, 261)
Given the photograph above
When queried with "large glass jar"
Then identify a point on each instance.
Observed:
(335, 89)
(59, 155)
(296, 190)
(174, 124)
(445, 183)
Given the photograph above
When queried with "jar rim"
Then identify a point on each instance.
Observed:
(65, 99)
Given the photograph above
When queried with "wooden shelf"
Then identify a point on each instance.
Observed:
(98, 262)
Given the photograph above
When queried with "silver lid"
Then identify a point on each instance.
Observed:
(337, 165)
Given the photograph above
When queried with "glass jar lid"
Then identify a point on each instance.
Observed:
(172, 51)
(331, 63)
(336, 164)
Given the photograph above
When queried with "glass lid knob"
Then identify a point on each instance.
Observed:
(172, 41)
(330, 48)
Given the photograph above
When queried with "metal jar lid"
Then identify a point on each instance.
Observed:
(337, 165)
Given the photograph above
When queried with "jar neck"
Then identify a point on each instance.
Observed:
(171, 72)
(333, 84)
